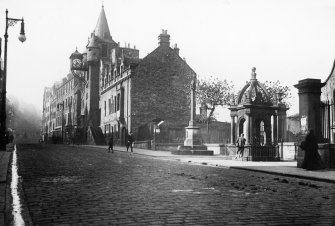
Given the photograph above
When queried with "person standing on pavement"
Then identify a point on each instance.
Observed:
(130, 142)
(312, 159)
(110, 144)
(240, 146)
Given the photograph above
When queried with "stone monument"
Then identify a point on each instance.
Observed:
(192, 144)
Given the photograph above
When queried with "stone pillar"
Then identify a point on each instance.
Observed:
(309, 103)
(274, 129)
(332, 137)
(251, 134)
(192, 132)
(246, 129)
(232, 130)
(192, 143)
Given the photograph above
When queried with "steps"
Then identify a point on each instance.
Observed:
(96, 137)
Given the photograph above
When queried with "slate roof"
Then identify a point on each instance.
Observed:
(102, 29)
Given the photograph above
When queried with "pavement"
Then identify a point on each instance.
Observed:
(283, 168)
(5, 157)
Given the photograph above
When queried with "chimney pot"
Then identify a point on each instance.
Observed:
(164, 38)
(176, 49)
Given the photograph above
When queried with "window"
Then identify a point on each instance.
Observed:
(114, 104)
(104, 50)
(118, 102)
(110, 106)
(105, 107)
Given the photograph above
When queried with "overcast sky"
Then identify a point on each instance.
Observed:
(286, 40)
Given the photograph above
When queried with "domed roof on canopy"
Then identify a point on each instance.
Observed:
(75, 54)
(253, 92)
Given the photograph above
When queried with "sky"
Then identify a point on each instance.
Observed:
(286, 40)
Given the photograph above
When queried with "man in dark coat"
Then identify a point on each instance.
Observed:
(110, 144)
(130, 142)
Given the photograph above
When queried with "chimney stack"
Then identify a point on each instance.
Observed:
(176, 49)
(164, 38)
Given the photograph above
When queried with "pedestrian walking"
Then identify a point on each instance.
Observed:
(130, 142)
(240, 146)
(110, 144)
(312, 159)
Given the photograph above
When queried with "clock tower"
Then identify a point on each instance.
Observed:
(76, 60)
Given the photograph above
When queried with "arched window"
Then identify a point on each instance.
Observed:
(241, 127)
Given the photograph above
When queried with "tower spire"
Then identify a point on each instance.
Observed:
(101, 29)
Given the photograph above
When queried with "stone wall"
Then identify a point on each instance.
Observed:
(288, 150)
(160, 88)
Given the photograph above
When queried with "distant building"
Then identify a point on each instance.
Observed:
(59, 113)
(115, 92)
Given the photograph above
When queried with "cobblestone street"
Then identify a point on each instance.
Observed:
(76, 185)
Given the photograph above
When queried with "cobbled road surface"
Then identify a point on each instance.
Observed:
(68, 185)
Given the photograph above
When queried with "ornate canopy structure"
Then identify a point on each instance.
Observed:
(256, 116)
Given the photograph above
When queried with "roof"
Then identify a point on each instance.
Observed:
(102, 29)
(331, 73)
(253, 92)
(92, 43)
(76, 54)
(169, 50)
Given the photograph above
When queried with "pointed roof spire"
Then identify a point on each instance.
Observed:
(102, 29)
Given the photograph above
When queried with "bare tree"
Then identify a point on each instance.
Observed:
(212, 93)
(275, 88)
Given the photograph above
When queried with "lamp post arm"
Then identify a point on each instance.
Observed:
(22, 38)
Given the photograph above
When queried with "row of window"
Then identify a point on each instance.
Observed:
(110, 130)
(109, 76)
(113, 104)
(67, 119)
(65, 89)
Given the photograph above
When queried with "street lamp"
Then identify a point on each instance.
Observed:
(22, 38)
(62, 119)
(157, 123)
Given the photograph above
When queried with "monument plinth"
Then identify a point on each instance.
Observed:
(192, 144)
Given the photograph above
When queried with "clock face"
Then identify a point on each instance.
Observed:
(76, 63)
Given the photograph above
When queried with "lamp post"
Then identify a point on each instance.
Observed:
(22, 38)
(62, 119)
(157, 122)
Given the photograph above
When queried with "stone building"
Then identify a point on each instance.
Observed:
(59, 110)
(143, 90)
(113, 92)
(327, 107)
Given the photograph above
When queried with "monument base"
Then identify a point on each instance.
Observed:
(192, 150)
(192, 144)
